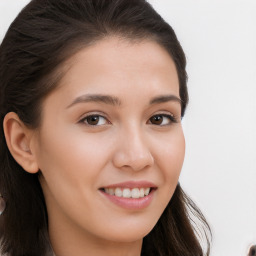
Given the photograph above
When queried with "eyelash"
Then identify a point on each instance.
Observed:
(172, 119)
(84, 120)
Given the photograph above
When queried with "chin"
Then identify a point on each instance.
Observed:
(128, 234)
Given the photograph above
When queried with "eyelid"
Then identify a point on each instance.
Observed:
(173, 118)
(170, 116)
(87, 115)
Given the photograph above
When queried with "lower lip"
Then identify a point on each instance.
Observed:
(131, 203)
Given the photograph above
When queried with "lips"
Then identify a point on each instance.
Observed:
(130, 195)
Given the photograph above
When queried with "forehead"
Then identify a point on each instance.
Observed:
(118, 64)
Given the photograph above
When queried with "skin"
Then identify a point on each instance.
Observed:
(76, 158)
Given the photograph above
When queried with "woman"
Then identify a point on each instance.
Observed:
(92, 96)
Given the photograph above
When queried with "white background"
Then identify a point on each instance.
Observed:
(219, 39)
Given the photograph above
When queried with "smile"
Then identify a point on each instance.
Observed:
(127, 192)
(132, 195)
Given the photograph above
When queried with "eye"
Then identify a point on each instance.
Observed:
(162, 119)
(94, 120)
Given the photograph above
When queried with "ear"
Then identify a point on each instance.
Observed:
(19, 140)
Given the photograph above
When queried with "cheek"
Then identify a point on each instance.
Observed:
(71, 161)
(170, 152)
(72, 168)
(170, 159)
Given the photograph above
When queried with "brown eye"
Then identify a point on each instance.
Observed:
(94, 120)
(162, 120)
(157, 120)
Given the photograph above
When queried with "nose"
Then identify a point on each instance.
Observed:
(132, 151)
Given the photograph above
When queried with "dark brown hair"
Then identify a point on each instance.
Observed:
(44, 35)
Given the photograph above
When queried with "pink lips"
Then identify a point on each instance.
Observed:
(133, 184)
(131, 203)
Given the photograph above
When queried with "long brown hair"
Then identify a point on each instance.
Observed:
(43, 36)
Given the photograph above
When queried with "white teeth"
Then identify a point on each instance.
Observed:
(111, 191)
(135, 193)
(127, 192)
(142, 193)
(147, 191)
(118, 192)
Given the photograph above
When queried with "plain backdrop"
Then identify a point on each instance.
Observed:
(219, 39)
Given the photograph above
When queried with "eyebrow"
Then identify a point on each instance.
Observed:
(107, 99)
(165, 98)
(114, 101)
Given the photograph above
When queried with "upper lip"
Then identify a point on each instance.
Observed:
(132, 184)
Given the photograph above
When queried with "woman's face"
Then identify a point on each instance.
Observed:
(111, 133)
